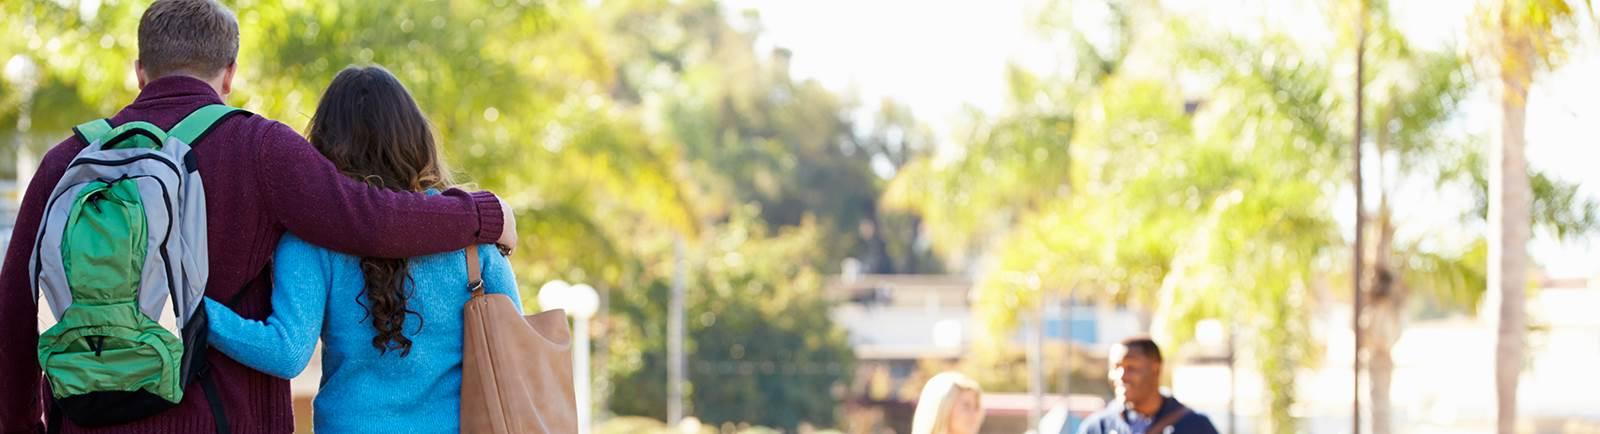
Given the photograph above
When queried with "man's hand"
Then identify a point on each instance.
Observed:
(508, 231)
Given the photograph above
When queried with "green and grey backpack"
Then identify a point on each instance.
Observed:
(121, 257)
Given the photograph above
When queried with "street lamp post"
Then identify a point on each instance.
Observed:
(581, 302)
(675, 335)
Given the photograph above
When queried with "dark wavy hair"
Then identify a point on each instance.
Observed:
(372, 130)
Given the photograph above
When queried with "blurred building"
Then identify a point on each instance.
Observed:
(898, 324)
(1443, 381)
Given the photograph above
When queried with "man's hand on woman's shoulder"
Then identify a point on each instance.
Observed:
(508, 232)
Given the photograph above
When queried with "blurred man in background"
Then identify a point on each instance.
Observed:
(1140, 407)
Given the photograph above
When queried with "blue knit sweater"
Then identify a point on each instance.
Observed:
(316, 292)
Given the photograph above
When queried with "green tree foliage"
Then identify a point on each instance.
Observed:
(610, 128)
(751, 133)
(762, 348)
(1212, 201)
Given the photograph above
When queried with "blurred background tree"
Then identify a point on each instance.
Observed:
(1185, 171)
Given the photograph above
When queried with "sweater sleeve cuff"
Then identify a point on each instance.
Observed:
(491, 222)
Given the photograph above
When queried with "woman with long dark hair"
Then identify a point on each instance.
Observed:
(391, 327)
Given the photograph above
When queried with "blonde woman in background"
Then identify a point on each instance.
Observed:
(951, 403)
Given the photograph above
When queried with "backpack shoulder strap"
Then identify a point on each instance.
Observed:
(88, 131)
(1172, 418)
(195, 126)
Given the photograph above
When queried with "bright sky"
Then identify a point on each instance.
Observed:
(942, 55)
(935, 55)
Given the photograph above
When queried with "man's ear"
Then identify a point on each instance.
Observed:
(227, 79)
(138, 71)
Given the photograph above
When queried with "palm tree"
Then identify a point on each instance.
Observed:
(1413, 94)
(1527, 35)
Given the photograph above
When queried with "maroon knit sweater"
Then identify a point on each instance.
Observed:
(262, 179)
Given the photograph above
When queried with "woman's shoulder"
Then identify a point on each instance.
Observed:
(457, 259)
(488, 252)
(293, 248)
(452, 265)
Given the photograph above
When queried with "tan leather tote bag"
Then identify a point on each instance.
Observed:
(516, 372)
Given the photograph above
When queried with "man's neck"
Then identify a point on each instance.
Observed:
(1148, 406)
(214, 83)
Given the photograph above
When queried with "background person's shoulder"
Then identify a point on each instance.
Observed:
(1095, 423)
(1195, 423)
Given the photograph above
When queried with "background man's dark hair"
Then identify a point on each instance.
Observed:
(1144, 346)
(200, 37)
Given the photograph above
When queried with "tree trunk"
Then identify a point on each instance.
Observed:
(1509, 225)
(1380, 372)
(1358, 249)
(1384, 317)
(1382, 325)
(878, 260)
(911, 266)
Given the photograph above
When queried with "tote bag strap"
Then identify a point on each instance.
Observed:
(474, 272)
(1172, 419)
